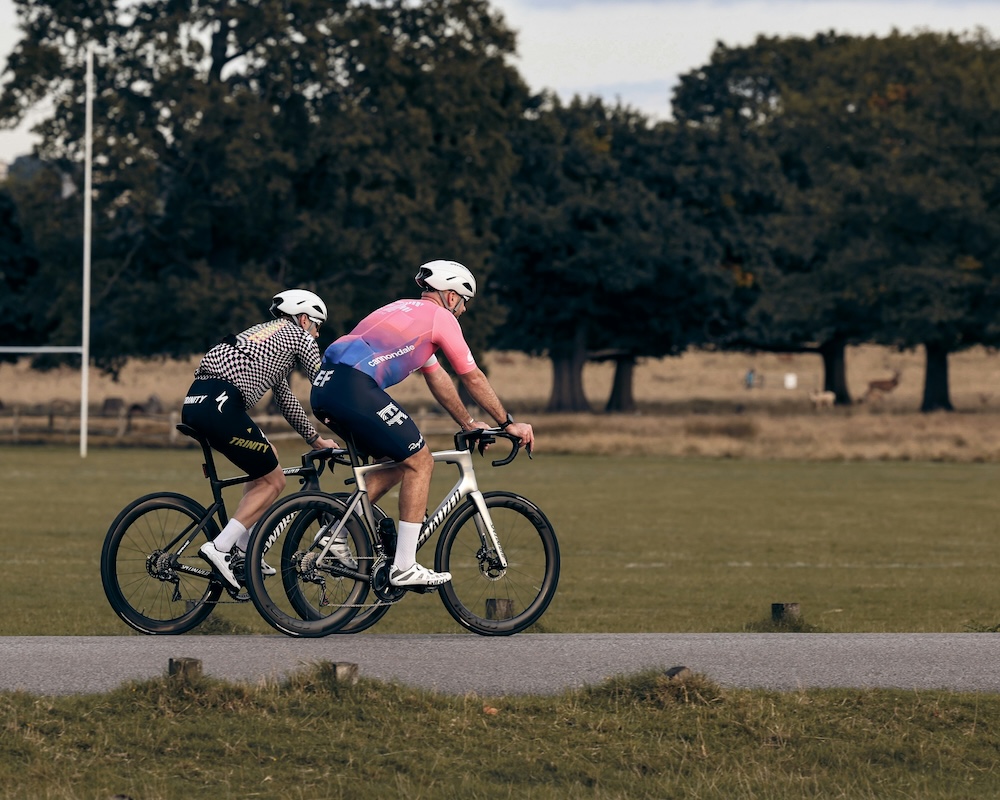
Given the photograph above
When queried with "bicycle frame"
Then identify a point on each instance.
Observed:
(465, 486)
(308, 472)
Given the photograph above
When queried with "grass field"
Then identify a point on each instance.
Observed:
(636, 738)
(648, 543)
(694, 515)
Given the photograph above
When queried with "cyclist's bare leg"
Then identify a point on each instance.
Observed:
(415, 485)
(380, 482)
(258, 495)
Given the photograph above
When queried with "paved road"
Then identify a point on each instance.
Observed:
(524, 664)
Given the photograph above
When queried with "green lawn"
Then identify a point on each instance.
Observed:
(648, 544)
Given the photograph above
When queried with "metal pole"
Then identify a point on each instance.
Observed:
(87, 191)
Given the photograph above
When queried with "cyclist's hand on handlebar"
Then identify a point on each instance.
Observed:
(478, 425)
(322, 443)
(524, 432)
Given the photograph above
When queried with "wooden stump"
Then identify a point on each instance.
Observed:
(785, 612)
(345, 672)
(499, 609)
(184, 668)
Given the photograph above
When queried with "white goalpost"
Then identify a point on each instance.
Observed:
(84, 348)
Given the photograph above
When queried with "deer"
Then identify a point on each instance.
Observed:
(878, 389)
(821, 399)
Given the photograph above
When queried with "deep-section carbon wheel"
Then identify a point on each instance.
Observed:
(482, 595)
(375, 609)
(151, 585)
(312, 595)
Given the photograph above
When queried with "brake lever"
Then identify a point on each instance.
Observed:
(485, 441)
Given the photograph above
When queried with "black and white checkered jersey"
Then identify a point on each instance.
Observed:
(262, 358)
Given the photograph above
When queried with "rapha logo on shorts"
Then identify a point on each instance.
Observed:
(414, 446)
(391, 415)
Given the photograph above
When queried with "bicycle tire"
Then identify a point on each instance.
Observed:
(305, 602)
(136, 548)
(486, 600)
(370, 614)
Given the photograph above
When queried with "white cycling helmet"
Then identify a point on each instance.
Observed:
(445, 276)
(293, 302)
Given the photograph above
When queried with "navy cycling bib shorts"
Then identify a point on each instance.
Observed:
(350, 403)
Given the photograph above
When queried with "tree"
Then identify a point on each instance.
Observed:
(593, 256)
(885, 151)
(249, 146)
(21, 305)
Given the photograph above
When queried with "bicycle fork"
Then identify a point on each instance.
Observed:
(492, 561)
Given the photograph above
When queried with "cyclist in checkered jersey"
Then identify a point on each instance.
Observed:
(231, 379)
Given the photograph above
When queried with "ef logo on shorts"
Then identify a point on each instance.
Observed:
(391, 415)
(322, 377)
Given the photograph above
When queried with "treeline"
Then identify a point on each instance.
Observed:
(807, 195)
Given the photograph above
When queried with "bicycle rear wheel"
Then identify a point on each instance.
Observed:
(153, 586)
(482, 596)
(376, 609)
(312, 596)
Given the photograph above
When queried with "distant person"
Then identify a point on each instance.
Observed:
(232, 378)
(349, 396)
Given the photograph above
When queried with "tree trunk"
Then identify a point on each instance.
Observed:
(936, 392)
(622, 399)
(567, 376)
(835, 371)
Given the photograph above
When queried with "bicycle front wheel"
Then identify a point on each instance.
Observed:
(150, 568)
(483, 596)
(312, 595)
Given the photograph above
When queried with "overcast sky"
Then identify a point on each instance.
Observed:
(634, 50)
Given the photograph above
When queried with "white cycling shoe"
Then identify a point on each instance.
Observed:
(340, 551)
(222, 562)
(227, 564)
(416, 575)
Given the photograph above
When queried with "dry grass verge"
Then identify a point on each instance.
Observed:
(695, 405)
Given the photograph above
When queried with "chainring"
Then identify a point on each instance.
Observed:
(384, 590)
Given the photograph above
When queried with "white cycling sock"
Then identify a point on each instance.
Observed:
(406, 545)
(244, 539)
(231, 534)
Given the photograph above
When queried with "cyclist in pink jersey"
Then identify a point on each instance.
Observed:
(401, 338)
(348, 395)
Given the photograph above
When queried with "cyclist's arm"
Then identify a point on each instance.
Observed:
(444, 391)
(482, 392)
(486, 398)
(309, 359)
(291, 409)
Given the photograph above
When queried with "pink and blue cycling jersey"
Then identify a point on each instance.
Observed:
(400, 338)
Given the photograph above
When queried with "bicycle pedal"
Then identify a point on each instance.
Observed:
(240, 596)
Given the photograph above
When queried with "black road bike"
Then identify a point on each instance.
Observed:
(150, 568)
